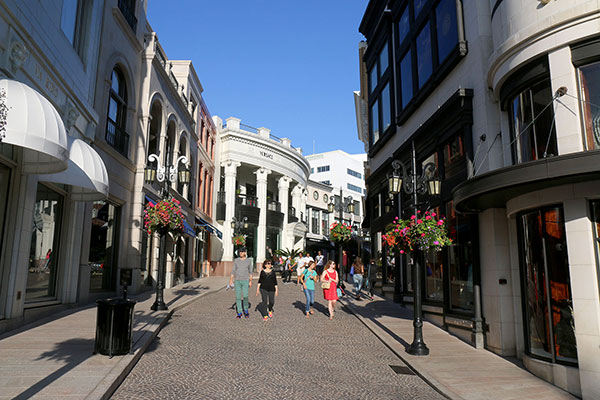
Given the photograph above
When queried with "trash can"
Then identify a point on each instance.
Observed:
(114, 326)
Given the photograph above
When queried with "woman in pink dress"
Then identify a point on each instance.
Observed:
(330, 275)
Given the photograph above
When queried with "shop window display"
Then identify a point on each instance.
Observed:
(103, 242)
(550, 329)
(44, 250)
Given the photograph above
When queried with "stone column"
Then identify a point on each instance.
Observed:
(261, 192)
(230, 174)
(303, 200)
(283, 184)
(296, 199)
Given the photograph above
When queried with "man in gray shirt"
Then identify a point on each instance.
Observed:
(241, 279)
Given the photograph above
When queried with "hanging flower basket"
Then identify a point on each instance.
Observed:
(163, 217)
(340, 232)
(239, 240)
(420, 232)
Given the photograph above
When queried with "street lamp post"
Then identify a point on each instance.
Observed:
(347, 203)
(164, 175)
(414, 185)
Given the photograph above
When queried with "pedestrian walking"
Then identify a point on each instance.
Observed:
(359, 270)
(372, 277)
(267, 287)
(290, 264)
(241, 279)
(320, 260)
(308, 279)
(329, 280)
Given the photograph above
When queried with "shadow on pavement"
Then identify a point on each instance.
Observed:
(73, 352)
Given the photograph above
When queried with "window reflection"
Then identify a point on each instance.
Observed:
(548, 311)
(374, 123)
(386, 112)
(383, 59)
(532, 124)
(424, 61)
(373, 78)
(406, 79)
(434, 275)
(589, 87)
(103, 240)
(418, 6)
(403, 26)
(43, 253)
(460, 259)
(447, 30)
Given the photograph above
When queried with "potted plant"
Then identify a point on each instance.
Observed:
(239, 240)
(340, 232)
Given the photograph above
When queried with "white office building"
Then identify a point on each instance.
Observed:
(345, 174)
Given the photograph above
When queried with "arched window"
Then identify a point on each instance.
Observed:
(155, 128)
(170, 144)
(116, 135)
(182, 152)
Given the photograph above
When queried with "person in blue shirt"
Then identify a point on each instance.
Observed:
(308, 279)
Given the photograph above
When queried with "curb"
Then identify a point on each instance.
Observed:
(107, 386)
(431, 381)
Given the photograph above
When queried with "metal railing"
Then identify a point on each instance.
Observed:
(274, 206)
(245, 200)
(128, 10)
(117, 138)
(174, 81)
(248, 128)
(161, 57)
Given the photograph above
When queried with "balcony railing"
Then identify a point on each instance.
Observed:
(117, 138)
(161, 57)
(292, 215)
(274, 206)
(127, 8)
(245, 200)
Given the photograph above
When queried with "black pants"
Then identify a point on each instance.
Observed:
(319, 270)
(287, 273)
(268, 299)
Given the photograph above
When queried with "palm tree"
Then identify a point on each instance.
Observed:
(287, 253)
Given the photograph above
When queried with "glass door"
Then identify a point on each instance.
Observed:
(43, 252)
(550, 329)
(103, 246)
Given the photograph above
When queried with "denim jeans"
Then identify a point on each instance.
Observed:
(241, 290)
(310, 298)
(358, 280)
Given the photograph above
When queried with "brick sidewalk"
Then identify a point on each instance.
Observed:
(455, 368)
(54, 360)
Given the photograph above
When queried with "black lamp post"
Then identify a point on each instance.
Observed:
(415, 185)
(165, 175)
(347, 203)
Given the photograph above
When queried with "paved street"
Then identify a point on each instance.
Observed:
(204, 352)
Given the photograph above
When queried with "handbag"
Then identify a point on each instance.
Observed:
(339, 292)
(325, 284)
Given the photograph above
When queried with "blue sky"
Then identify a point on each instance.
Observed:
(290, 66)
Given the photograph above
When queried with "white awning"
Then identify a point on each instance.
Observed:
(34, 124)
(86, 173)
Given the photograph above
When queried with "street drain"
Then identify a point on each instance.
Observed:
(402, 370)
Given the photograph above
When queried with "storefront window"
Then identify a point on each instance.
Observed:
(103, 243)
(325, 223)
(547, 291)
(315, 222)
(44, 250)
(272, 242)
(589, 87)
(532, 124)
(460, 259)
(434, 275)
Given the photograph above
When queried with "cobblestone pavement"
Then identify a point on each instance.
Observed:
(206, 353)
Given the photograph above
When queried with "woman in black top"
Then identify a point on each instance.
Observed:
(267, 286)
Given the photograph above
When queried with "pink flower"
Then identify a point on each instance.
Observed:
(433, 214)
(428, 217)
(401, 251)
(419, 221)
(440, 222)
(422, 235)
(436, 242)
(413, 216)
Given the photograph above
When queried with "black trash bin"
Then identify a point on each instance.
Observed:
(114, 326)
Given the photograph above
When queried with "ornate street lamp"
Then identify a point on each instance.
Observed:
(345, 204)
(238, 225)
(164, 175)
(415, 185)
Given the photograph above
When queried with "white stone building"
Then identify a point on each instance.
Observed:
(263, 179)
(48, 73)
(501, 96)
